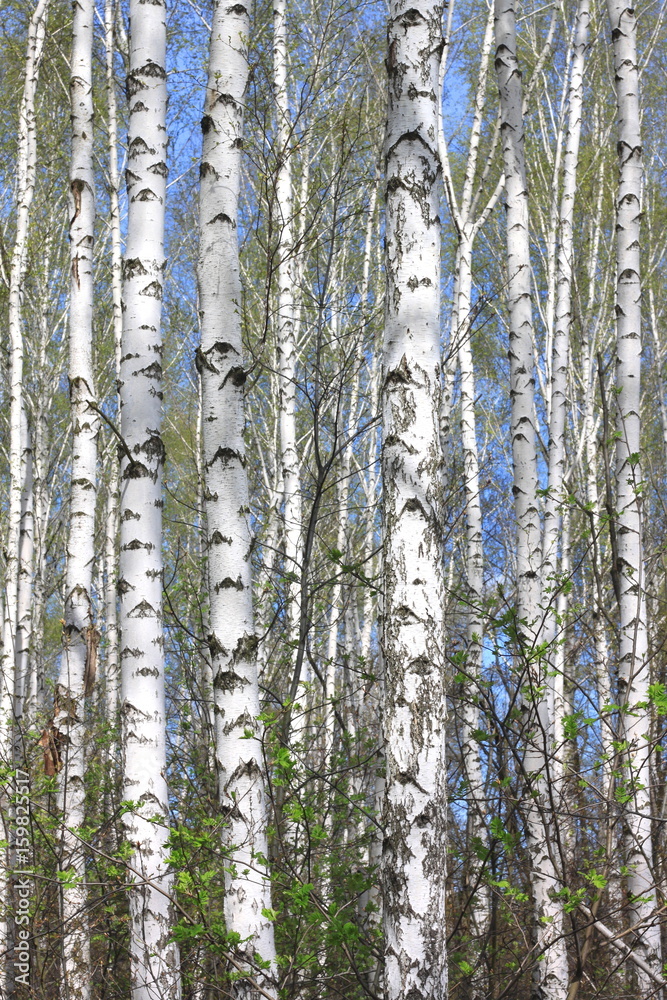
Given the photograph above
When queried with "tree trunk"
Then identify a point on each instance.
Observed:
(413, 633)
(26, 162)
(550, 973)
(25, 583)
(80, 638)
(286, 324)
(154, 957)
(477, 824)
(111, 665)
(232, 640)
(634, 667)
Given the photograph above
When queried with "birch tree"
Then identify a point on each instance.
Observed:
(26, 161)
(551, 971)
(563, 309)
(542, 857)
(231, 640)
(111, 673)
(634, 665)
(555, 598)
(80, 637)
(413, 634)
(25, 570)
(153, 953)
(467, 225)
(286, 320)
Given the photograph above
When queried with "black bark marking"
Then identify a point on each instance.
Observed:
(132, 266)
(217, 539)
(226, 455)
(154, 289)
(236, 376)
(222, 217)
(142, 610)
(229, 584)
(228, 680)
(153, 370)
(126, 652)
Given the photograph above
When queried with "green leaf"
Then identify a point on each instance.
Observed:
(658, 696)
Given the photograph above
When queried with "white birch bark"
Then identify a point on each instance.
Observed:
(551, 972)
(232, 641)
(25, 185)
(26, 160)
(561, 749)
(34, 688)
(477, 827)
(80, 638)
(608, 733)
(25, 582)
(524, 452)
(467, 228)
(111, 663)
(413, 630)
(555, 530)
(634, 667)
(153, 957)
(563, 313)
(286, 323)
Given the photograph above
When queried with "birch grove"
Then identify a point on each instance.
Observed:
(333, 485)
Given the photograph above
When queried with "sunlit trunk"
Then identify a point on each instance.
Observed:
(634, 667)
(153, 954)
(232, 641)
(413, 632)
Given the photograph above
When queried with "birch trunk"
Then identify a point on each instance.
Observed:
(286, 324)
(111, 666)
(555, 530)
(608, 732)
(524, 451)
(634, 667)
(25, 582)
(154, 957)
(480, 907)
(467, 228)
(34, 690)
(413, 631)
(80, 638)
(26, 160)
(551, 972)
(232, 640)
(112, 677)
(25, 185)
(563, 311)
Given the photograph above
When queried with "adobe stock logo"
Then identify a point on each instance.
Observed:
(23, 886)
